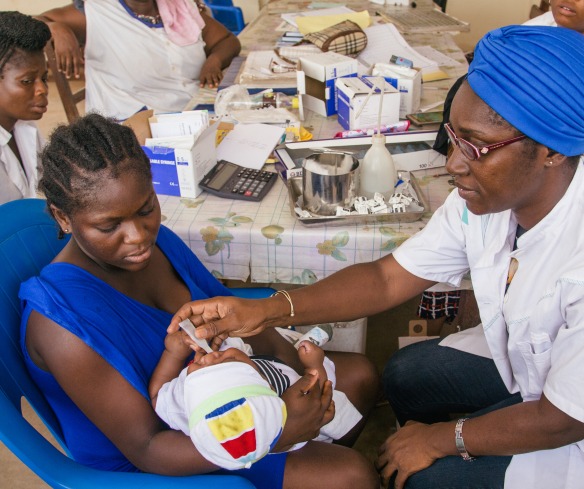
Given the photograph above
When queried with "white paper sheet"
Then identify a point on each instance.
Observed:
(380, 36)
(249, 145)
(185, 123)
(436, 56)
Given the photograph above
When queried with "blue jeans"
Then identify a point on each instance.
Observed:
(430, 383)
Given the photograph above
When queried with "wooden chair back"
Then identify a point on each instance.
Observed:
(544, 6)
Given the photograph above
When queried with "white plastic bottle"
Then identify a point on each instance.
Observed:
(377, 172)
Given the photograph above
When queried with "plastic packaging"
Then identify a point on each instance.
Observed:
(279, 100)
(237, 97)
(377, 173)
(400, 126)
(318, 335)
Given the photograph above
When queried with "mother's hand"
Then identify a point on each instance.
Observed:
(222, 315)
(309, 408)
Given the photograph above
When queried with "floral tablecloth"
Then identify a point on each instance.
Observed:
(264, 242)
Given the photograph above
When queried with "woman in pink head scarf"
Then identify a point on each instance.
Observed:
(140, 53)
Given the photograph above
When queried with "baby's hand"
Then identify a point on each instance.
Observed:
(178, 344)
(312, 357)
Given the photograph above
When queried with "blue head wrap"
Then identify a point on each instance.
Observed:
(533, 76)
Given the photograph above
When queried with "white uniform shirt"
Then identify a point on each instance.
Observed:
(129, 65)
(546, 18)
(535, 331)
(17, 182)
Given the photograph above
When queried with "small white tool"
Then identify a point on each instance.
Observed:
(189, 329)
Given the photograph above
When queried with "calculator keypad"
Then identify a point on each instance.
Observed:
(250, 183)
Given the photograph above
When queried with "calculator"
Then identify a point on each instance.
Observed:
(236, 182)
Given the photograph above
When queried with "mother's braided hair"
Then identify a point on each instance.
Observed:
(20, 31)
(81, 155)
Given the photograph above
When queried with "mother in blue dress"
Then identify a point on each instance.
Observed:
(95, 319)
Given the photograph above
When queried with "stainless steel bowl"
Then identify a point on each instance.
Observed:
(329, 180)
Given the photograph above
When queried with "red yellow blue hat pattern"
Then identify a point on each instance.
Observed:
(235, 418)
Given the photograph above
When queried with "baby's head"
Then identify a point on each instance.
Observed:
(235, 417)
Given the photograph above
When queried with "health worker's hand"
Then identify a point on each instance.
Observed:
(406, 452)
(222, 316)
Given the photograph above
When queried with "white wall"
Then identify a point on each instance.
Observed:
(484, 16)
(250, 8)
(31, 7)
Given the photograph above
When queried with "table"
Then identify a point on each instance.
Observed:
(263, 241)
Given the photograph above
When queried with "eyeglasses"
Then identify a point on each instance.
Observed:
(472, 152)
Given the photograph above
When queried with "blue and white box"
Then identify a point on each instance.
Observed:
(316, 78)
(180, 163)
(359, 110)
(408, 82)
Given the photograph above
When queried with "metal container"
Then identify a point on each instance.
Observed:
(329, 180)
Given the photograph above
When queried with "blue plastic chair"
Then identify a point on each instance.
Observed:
(229, 15)
(28, 242)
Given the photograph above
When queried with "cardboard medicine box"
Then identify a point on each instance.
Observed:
(178, 163)
(353, 99)
(316, 78)
(408, 82)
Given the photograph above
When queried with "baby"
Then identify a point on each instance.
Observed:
(228, 402)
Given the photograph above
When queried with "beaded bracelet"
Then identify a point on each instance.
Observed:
(288, 298)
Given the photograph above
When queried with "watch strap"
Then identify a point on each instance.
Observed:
(459, 440)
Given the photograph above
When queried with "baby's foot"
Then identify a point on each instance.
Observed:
(312, 357)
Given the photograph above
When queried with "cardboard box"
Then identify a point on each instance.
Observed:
(353, 99)
(408, 81)
(178, 163)
(316, 77)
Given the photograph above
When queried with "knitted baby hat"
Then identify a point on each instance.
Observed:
(235, 418)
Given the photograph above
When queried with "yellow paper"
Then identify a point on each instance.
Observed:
(434, 75)
(309, 24)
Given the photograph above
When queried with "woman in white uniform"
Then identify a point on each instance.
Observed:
(563, 14)
(515, 222)
(23, 99)
(140, 53)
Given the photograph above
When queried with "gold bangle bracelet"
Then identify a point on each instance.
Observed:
(288, 298)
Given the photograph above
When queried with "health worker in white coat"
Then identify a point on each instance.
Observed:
(515, 222)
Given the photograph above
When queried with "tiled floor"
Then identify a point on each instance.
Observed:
(382, 333)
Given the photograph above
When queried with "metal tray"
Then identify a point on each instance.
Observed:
(295, 193)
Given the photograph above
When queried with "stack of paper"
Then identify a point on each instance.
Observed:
(190, 122)
(380, 36)
(249, 145)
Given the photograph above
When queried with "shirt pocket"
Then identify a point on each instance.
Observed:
(536, 355)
